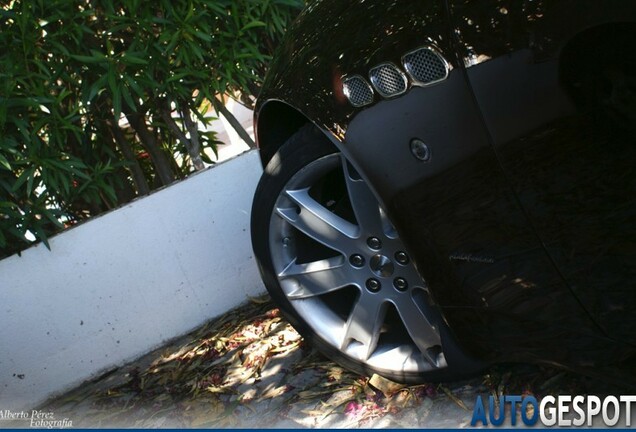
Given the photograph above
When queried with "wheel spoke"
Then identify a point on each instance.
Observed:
(419, 328)
(316, 278)
(317, 222)
(364, 203)
(363, 325)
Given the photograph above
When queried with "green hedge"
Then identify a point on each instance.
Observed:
(88, 95)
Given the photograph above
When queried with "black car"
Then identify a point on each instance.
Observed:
(452, 183)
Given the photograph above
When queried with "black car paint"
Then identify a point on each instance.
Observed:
(485, 231)
(574, 173)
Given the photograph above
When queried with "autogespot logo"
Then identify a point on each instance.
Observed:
(559, 410)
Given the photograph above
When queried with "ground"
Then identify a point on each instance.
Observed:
(250, 369)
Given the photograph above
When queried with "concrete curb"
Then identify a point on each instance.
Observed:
(118, 286)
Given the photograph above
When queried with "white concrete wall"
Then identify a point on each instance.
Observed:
(118, 286)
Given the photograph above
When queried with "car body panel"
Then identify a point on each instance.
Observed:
(466, 224)
(572, 172)
(309, 67)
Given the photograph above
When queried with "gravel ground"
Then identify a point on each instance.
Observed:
(250, 369)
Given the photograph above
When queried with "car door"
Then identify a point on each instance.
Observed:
(555, 84)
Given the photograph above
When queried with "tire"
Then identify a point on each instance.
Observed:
(330, 258)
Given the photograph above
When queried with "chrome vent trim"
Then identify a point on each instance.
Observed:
(358, 91)
(425, 66)
(388, 80)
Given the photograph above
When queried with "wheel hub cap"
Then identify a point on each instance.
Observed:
(381, 266)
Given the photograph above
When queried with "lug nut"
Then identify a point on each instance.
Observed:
(373, 285)
(356, 260)
(402, 258)
(374, 243)
(400, 284)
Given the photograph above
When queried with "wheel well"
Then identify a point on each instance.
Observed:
(277, 122)
(590, 53)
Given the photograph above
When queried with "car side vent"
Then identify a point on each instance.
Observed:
(425, 66)
(358, 91)
(388, 80)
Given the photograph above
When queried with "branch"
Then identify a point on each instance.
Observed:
(219, 107)
(149, 142)
(166, 115)
(137, 173)
(195, 147)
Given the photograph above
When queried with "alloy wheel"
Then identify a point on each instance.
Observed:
(343, 268)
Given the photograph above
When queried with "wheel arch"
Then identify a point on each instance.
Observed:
(276, 122)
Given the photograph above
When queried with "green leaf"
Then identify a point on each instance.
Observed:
(253, 24)
(127, 97)
(55, 221)
(86, 59)
(116, 102)
(132, 83)
(26, 174)
(40, 235)
(132, 60)
(204, 36)
(96, 88)
(30, 184)
(4, 162)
